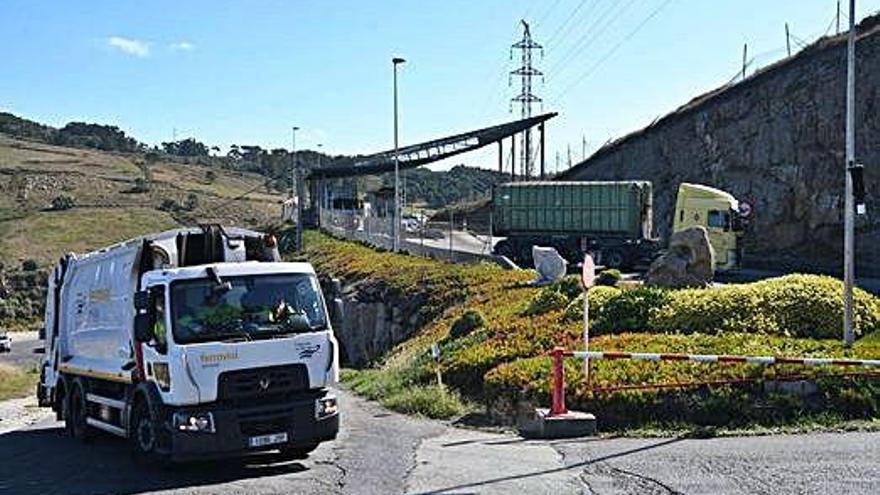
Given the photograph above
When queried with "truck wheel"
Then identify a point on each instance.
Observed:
(143, 433)
(76, 413)
(297, 453)
(613, 259)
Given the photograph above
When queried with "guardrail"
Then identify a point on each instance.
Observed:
(557, 406)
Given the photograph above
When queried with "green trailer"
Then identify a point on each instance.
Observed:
(611, 220)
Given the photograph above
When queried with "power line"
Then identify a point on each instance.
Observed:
(566, 22)
(591, 34)
(547, 12)
(614, 49)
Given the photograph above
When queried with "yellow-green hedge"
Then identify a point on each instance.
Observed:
(796, 305)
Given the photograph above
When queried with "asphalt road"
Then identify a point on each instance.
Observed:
(379, 452)
(23, 346)
(462, 241)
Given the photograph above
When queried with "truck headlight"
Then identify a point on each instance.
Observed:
(326, 406)
(162, 376)
(194, 422)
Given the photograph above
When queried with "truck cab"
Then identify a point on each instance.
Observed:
(720, 213)
(192, 345)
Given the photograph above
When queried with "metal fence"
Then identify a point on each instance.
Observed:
(377, 232)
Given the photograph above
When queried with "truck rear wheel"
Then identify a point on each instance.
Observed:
(76, 413)
(613, 258)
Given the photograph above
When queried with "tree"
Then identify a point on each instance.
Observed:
(185, 147)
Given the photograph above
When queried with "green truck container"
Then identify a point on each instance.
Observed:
(613, 220)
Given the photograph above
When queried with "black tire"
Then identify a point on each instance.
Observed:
(76, 413)
(144, 435)
(297, 453)
(613, 259)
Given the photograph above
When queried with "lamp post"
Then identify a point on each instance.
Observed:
(395, 226)
(849, 203)
(296, 182)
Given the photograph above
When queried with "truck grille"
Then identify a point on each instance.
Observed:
(262, 385)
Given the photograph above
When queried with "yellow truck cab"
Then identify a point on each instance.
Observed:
(720, 213)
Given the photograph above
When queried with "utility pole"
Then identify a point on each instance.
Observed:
(745, 55)
(296, 190)
(556, 170)
(838, 17)
(848, 212)
(787, 40)
(525, 98)
(569, 156)
(583, 147)
(395, 226)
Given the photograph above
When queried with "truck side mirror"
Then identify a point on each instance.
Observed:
(337, 311)
(142, 327)
(141, 300)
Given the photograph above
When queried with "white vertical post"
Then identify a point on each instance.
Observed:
(849, 220)
(587, 335)
(395, 226)
(588, 277)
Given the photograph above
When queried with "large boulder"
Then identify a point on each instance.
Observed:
(689, 261)
(550, 265)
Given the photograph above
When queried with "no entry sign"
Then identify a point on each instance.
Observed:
(588, 272)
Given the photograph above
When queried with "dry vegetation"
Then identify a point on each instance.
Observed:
(107, 206)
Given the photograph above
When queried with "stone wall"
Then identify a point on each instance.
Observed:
(775, 140)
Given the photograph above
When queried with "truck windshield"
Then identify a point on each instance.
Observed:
(248, 307)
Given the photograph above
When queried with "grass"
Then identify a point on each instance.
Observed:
(503, 361)
(46, 235)
(395, 391)
(15, 382)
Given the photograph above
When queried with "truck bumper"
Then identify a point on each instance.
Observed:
(235, 426)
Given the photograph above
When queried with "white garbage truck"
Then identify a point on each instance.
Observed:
(191, 343)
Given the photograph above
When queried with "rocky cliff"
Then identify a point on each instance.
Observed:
(777, 141)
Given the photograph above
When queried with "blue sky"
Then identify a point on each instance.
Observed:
(244, 71)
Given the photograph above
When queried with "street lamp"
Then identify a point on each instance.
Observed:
(297, 192)
(396, 224)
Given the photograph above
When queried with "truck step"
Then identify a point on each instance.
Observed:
(106, 427)
(97, 399)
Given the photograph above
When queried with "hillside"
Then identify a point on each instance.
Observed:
(103, 197)
(55, 200)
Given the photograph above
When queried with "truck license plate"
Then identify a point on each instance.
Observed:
(263, 440)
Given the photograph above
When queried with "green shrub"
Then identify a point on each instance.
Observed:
(546, 300)
(63, 202)
(609, 277)
(170, 205)
(570, 287)
(795, 305)
(467, 323)
(29, 265)
(598, 297)
(631, 310)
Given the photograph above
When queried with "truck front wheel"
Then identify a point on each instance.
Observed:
(144, 433)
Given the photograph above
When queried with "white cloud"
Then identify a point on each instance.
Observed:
(183, 45)
(129, 46)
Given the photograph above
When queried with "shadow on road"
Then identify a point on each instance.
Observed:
(577, 465)
(45, 461)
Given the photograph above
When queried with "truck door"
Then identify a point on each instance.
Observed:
(719, 227)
